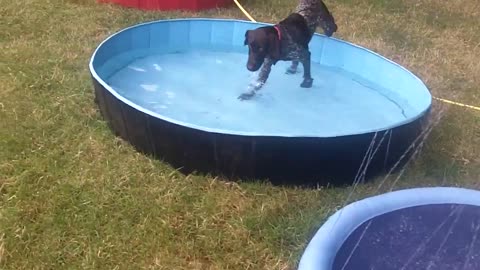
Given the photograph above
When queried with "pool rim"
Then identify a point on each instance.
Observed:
(322, 249)
(144, 110)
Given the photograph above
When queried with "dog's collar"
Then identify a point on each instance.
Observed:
(278, 32)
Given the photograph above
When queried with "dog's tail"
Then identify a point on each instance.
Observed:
(326, 19)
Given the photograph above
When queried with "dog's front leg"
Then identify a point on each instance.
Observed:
(264, 73)
(262, 79)
(307, 77)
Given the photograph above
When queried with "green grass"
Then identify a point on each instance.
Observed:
(73, 196)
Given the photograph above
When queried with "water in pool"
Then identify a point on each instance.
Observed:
(201, 88)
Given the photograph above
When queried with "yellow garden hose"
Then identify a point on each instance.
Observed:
(244, 11)
(457, 103)
(440, 99)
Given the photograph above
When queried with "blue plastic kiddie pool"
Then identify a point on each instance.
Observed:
(422, 228)
(170, 88)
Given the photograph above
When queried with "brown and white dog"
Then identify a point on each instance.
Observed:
(287, 41)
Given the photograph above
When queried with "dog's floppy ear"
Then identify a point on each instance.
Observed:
(273, 47)
(246, 37)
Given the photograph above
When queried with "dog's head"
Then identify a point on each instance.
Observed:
(262, 42)
(327, 21)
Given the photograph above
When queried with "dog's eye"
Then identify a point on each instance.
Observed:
(254, 47)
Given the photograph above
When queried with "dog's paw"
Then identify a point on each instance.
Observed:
(291, 70)
(247, 95)
(257, 86)
(307, 83)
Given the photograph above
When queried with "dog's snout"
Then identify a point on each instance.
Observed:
(253, 67)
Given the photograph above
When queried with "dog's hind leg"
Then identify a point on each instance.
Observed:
(293, 68)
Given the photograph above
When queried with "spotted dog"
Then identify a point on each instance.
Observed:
(287, 41)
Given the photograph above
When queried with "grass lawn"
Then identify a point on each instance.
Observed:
(73, 196)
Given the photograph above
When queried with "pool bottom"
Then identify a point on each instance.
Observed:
(435, 237)
(200, 88)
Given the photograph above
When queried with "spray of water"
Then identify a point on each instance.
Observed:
(405, 159)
